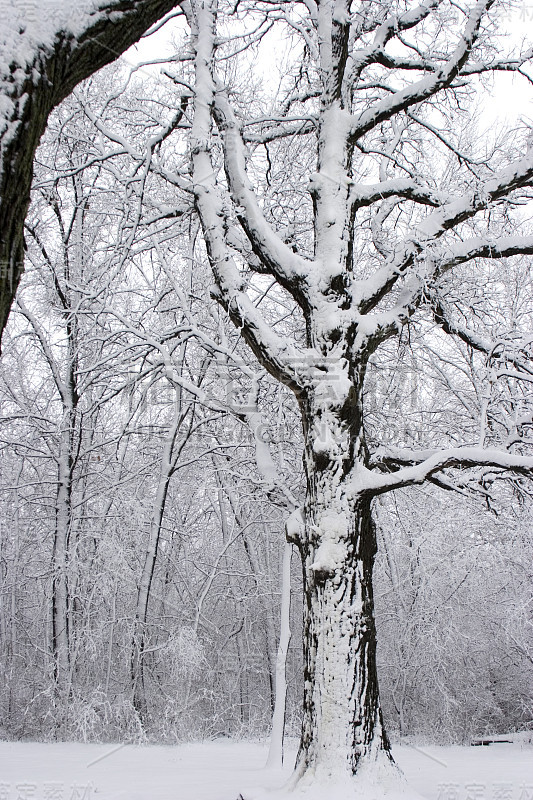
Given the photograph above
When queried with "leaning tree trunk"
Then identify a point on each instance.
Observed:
(40, 73)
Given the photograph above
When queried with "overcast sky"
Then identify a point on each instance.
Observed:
(512, 96)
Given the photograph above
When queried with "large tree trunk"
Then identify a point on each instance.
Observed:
(342, 716)
(342, 723)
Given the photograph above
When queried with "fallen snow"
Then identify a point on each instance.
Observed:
(221, 770)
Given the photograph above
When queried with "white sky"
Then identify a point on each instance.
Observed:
(511, 98)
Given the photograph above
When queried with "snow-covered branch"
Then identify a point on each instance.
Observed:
(45, 51)
(501, 65)
(47, 351)
(473, 68)
(513, 352)
(278, 258)
(478, 247)
(387, 31)
(517, 175)
(277, 355)
(139, 156)
(271, 132)
(411, 467)
(361, 195)
(429, 85)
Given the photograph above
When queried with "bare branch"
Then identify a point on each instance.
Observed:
(428, 86)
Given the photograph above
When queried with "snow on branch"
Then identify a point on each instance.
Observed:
(278, 258)
(517, 175)
(139, 156)
(443, 316)
(379, 326)
(478, 247)
(430, 84)
(279, 357)
(503, 65)
(46, 49)
(271, 132)
(361, 196)
(410, 467)
(388, 30)
(508, 352)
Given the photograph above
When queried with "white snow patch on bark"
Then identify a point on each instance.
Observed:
(295, 524)
(28, 27)
(332, 551)
(329, 557)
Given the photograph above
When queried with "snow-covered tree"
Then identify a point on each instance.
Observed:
(348, 204)
(118, 429)
(398, 202)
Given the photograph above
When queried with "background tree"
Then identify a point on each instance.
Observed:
(440, 632)
(158, 452)
(345, 217)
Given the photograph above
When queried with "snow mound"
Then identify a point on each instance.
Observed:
(373, 782)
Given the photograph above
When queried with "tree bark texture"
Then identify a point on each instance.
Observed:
(342, 723)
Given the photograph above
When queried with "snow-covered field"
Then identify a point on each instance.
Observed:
(220, 770)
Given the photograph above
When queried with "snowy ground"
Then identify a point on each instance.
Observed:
(220, 770)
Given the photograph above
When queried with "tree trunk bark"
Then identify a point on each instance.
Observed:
(277, 737)
(60, 591)
(342, 714)
(137, 662)
(342, 721)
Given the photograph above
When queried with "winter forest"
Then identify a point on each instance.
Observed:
(266, 419)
